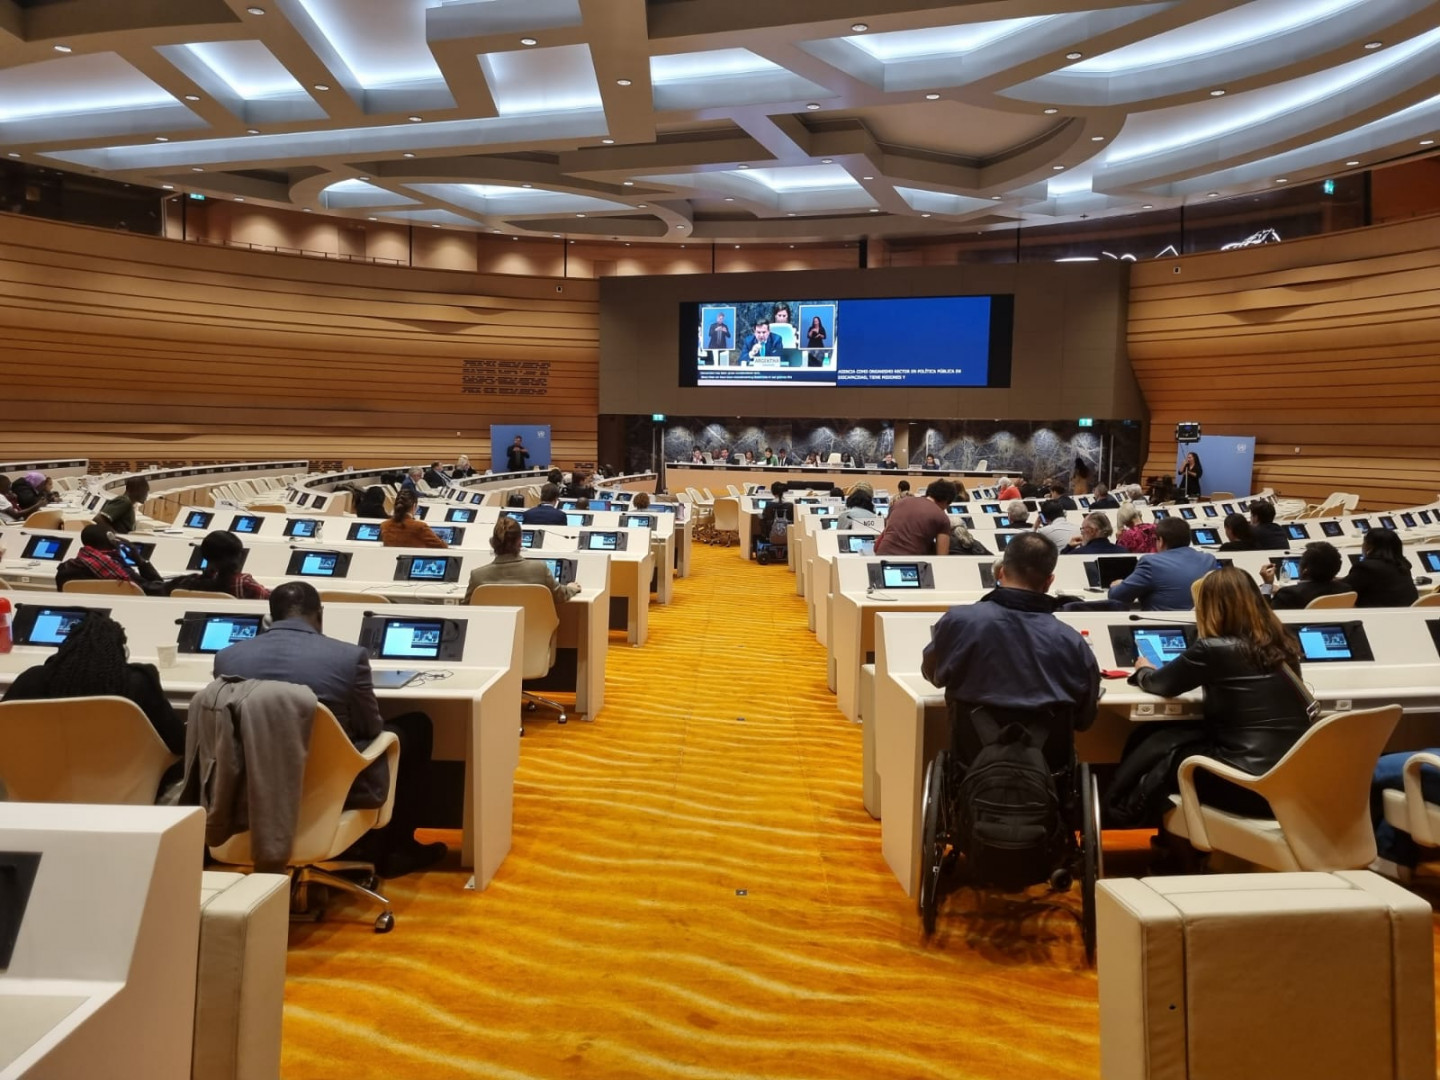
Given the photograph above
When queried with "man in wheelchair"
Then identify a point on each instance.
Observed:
(1008, 796)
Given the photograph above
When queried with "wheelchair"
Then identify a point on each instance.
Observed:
(1074, 844)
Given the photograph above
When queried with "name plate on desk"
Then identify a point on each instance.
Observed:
(901, 575)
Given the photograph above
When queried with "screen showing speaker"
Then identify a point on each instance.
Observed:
(895, 341)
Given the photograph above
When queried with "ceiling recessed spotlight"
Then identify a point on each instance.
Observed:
(407, 154)
(1352, 163)
(1051, 111)
(239, 199)
(1373, 45)
(374, 219)
(859, 27)
(366, 179)
(742, 166)
(737, 247)
(1427, 142)
(196, 168)
(252, 131)
(996, 198)
(322, 86)
(12, 154)
(1097, 138)
(192, 97)
(867, 178)
(792, 247)
(1057, 168)
(627, 183)
(622, 82)
(1282, 180)
(1212, 194)
(555, 236)
(812, 105)
(924, 215)
(63, 48)
(163, 187)
(932, 97)
(641, 206)
(305, 210)
(1148, 206)
(434, 226)
(874, 209)
(415, 119)
(1074, 56)
(1217, 93)
(528, 41)
(827, 161)
(729, 198)
(161, 138)
(256, 10)
(579, 215)
(527, 185)
(684, 226)
(608, 142)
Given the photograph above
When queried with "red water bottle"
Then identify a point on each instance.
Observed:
(4, 624)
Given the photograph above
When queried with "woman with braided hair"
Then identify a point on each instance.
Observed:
(92, 661)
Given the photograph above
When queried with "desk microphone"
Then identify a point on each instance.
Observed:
(1169, 622)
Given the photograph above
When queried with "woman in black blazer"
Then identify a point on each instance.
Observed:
(1189, 475)
(1382, 577)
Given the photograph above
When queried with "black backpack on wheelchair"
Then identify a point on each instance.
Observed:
(1009, 823)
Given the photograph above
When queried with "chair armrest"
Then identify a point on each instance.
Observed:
(386, 743)
(1190, 801)
(1415, 806)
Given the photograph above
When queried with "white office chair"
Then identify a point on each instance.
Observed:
(45, 519)
(1319, 792)
(539, 632)
(80, 750)
(1334, 600)
(982, 465)
(1408, 810)
(200, 594)
(727, 521)
(104, 587)
(834, 459)
(324, 827)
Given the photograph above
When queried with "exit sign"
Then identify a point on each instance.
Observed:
(658, 417)
(1087, 421)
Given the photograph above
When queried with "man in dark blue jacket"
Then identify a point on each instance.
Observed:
(1161, 582)
(547, 513)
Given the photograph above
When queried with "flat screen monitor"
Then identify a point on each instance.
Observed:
(407, 638)
(580, 520)
(326, 564)
(637, 521)
(477, 498)
(1244, 505)
(829, 522)
(92, 502)
(1159, 643)
(461, 514)
(364, 530)
(247, 524)
(1002, 539)
(451, 534)
(532, 538)
(422, 511)
(1425, 517)
(1408, 520)
(1210, 511)
(304, 499)
(660, 508)
(1332, 528)
(46, 548)
(1161, 515)
(987, 574)
(1430, 559)
(37, 624)
(562, 570)
(1356, 558)
(1362, 525)
(302, 528)
(1229, 508)
(427, 568)
(857, 543)
(318, 503)
(1002, 521)
(603, 541)
(601, 504)
(1206, 537)
(199, 562)
(568, 504)
(882, 509)
(1083, 501)
(198, 519)
(1323, 643)
(132, 551)
(209, 633)
(1434, 627)
(1296, 531)
(1286, 566)
(517, 515)
(990, 508)
(899, 342)
(1111, 568)
(1188, 513)
(1386, 522)
(901, 575)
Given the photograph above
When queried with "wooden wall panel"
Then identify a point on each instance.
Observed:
(123, 347)
(1326, 349)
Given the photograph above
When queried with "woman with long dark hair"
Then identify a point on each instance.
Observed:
(1382, 576)
(1254, 707)
(1189, 476)
(223, 554)
(92, 662)
(371, 503)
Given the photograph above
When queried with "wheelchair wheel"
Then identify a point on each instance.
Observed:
(933, 839)
(1090, 852)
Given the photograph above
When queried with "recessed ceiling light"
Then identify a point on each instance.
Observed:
(622, 82)
(729, 198)
(1097, 138)
(63, 48)
(1212, 194)
(859, 27)
(684, 226)
(1427, 142)
(608, 142)
(1148, 206)
(365, 178)
(579, 215)
(12, 154)
(164, 187)
(1074, 56)
(192, 97)
(1352, 163)
(996, 198)
(867, 178)
(1217, 93)
(415, 119)
(256, 10)
(737, 247)
(322, 86)
(239, 199)
(1372, 45)
(434, 226)
(924, 215)
(932, 97)
(252, 131)
(627, 183)
(641, 206)
(1051, 111)
(528, 41)
(812, 106)
(790, 213)
(527, 185)
(374, 219)
(874, 209)
(161, 138)
(792, 247)
(196, 168)
(1057, 168)
(742, 166)
(1282, 180)
(407, 154)
(555, 235)
(305, 210)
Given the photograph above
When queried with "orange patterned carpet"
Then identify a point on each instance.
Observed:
(696, 892)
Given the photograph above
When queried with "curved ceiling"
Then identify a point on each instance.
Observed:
(718, 119)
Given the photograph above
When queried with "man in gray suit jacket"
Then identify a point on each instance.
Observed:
(296, 650)
(1161, 582)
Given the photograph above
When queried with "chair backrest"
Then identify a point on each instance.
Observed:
(734, 490)
(834, 458)
(74, 525)
(727, 515)
(539, 625)
(268, 507)
(105, 586)
(340, 596)
(1217, 496)
(45, 519)
(80, 750)
(1428, 600)
(1334, 600)
(1320, 790)
(982, 465)
(200, 594)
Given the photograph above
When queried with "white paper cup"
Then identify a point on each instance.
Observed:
(166, 654)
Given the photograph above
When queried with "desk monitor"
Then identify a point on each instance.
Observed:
(990, 508)
(1206, 537)
(209, 632)
(1362, 525)
(199, 562)
(1244, 505)
(326, 564)
(562, 570)
(1387, 521)
(364, 530)
(1356, 558)
(1286, 566)
(1409, 520)
(198, 519)
(568, 504)
(1434, 626)
(451, 534)
(132, 551)
(806, 500)
(1002, 521)
(1157, 642)
(1002, 539)
(304, 499)
(1188, 513)
(1083, 501)
(1110, 568)
(1430, 559)
(290, 494)
(901, 575)
(1210, 511)
(422, 511)
(1161, 515)
(621, 496)
(477, 498)
(437, 568)
(1297, 531)
(856, 543)
(463, 514)
(37, 624)
(532, 538)
(637, 521)
(829, 522)
(1229, 508)
(409, 638)
(318, 503)
(245, 523)
(987, 574)
(48, 548)
(92, 502)
(1425, 516)
(302, 528)
(1332, 528)
(601, 504)
(660, 508)
(580, 520)
(518, 515)
(1328, 642)
(607, 540)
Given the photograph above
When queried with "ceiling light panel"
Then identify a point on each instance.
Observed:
(247, 67)
(724, 77)
(800, 178)
(357, 194)
(381, 42)
(533, 81)
(941, 202)
(941, 41)
(72, 85)
(515, 201)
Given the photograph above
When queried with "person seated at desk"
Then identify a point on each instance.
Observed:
(1239, 536)
(296, 650)
(414, 480)
(462, 468)
(1054, 526)
(762, 342)
(932, 464)
(119, 513)
(1094, 538)
(697, 457)
(403, 529)
(776, 507)
(222, 553)
(371, 503)
(434, 478)
(515, 500)
(749, 457)
(1103, 500)
(1254, 708)
(580, 486)
(100, 559)
(1009, 651)
(919, 526)
(8, 506)
(902, 490)
(1319, 565)
(640, 502)
(1018, 513)
(1057, 493)
(1161, 582)
(1268, 535)
(1008, 489)
(1382, 577)
(556, 477)
(509, 567)
(32, 492)
(888, 461)
(859, 510)
(92, 661)
(1136, 536)
(811, 460)
(546, 512)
